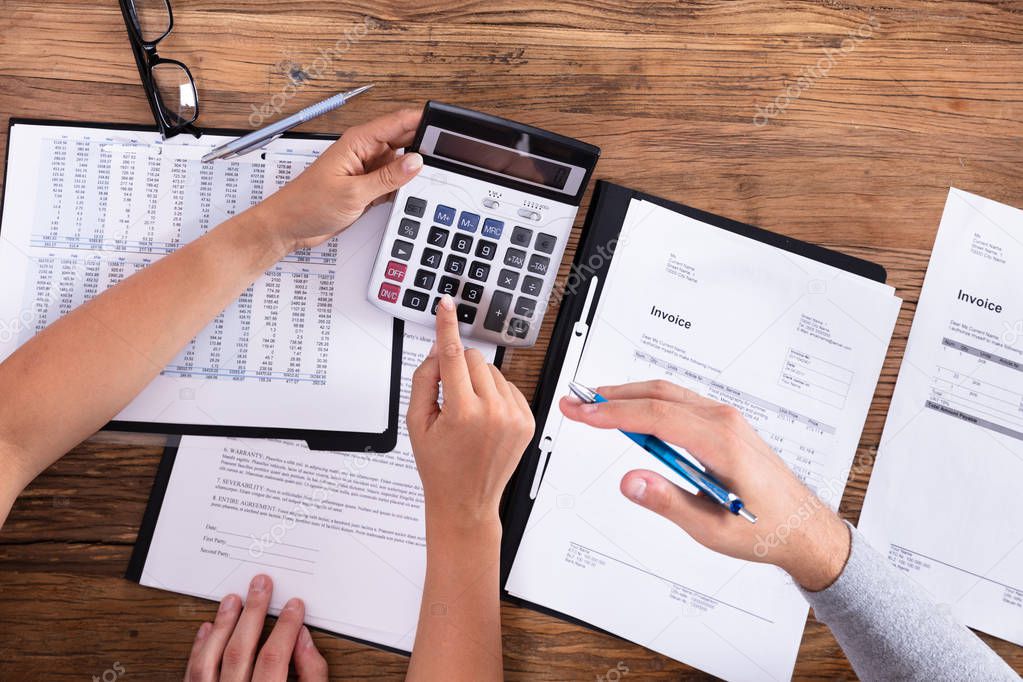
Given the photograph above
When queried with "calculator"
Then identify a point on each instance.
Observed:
(486, 220)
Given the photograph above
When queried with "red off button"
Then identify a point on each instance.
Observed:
(395, 271)
(388, 292)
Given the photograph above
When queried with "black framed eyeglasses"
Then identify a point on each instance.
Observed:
(168, 83)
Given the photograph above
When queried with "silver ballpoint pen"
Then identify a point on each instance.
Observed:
(264, 136)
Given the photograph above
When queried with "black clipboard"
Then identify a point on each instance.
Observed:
(603, 223)
(317, 439)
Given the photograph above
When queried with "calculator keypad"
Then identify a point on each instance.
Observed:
(496, 269)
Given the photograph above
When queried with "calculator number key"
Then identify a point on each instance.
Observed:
(431, 258)
(515, 258)
(438, 237)
(507, 278)
(455, 265)
(500, 303)
(479, 271)
(462, 243)
(424, 279)
(408, 228)
(485, 249)
(538, 264)
(395, 271)
(473, 293)
(417, 300)
(414, 206)
(444, 215)
(448, 285)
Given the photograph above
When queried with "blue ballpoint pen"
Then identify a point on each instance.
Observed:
(264, 136)
(703, 481)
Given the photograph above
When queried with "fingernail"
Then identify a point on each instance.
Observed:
(293, 604)
(635, 489)
(412, 162)
(447, 302)
(229, 603)
(260, 583)
(433, 350)
(589, 408)
(573, 399)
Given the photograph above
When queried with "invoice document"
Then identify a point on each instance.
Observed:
(86, 207)
(943, 500)
(795, 345)
(343, 531)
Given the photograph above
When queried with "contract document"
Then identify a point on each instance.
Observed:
(795, 345)
(343, 531)
(86, 207)
(943, 500)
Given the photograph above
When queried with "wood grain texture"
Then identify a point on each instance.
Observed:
(859, 159)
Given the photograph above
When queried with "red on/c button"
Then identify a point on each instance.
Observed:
(395, 271)
(388, 292)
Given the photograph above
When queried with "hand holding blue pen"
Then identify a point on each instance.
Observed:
(703, 481)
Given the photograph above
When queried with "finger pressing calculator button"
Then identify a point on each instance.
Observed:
(415, 206)
(408, 228)
(518, 328)
(425, 279)
(448, 285)
(462, 243)
(468, 221)
(401, 249)
(532, 285)
(515, 258)
(507, 279)
(525, 306)
(538, 264)
(473, 293)
(431, 258)
(455, 265)
(492, 228)
(479, 271)
(395, 271)
(466, 313)
(485, 249)
(500, 302)
(521, 236)
(444, 215)
(545, 242)
(388, 292)
(438, 237)
(416, 300)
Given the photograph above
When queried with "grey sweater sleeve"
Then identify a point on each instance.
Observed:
(890, 629)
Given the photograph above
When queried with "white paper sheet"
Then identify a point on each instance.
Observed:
(342, 531)
(87, 207)
(944, 498)
(795, 345)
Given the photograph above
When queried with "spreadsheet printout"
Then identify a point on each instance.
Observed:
(795, 345)
(85, 208)
(343, 531)
(943, 500)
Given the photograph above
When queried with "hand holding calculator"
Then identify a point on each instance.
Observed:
(486, 221)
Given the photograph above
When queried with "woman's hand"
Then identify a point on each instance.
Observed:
(795, 530)
(468, 449)
(225, 649)
(357, 171)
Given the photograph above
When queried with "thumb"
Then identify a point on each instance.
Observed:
(663, 497)
(309, 663)
(389, 177)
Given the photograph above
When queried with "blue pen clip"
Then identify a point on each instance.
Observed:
(701, 480)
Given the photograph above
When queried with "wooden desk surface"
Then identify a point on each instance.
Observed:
(857, 154)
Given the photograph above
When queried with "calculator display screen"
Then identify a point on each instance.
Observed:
(501, 160)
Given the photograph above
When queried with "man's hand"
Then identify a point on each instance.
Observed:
(357, 171)
(225, 650)
(468, 449)
(795, 530)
